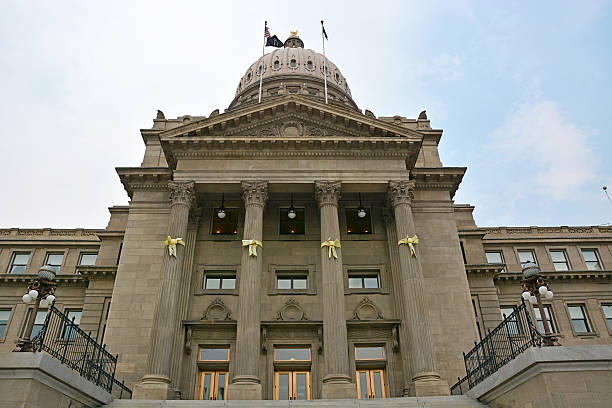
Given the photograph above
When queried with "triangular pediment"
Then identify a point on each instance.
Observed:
(291, 116)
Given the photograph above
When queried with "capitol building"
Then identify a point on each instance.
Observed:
(298, 248)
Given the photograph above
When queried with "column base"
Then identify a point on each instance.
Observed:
(338, 386)
(427, 384)
(153, 387)
(244, 387)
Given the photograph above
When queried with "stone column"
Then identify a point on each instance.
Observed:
(420, 376)
(337, 381)
(156, 384)
(245, 383)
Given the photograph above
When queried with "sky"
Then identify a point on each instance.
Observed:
(521, 89)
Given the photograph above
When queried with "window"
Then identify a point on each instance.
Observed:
(607, 310)
(549, 319)
(293, 63)
(292, 385)
(225, 281)
(495, 257)
(578, 318)
(591, 259)
(292, 226)
(371, 384)
(105, 312)
(38, 322)
(479, 321)
(69, 331)
(291, 281)
(559, 260)
(512, 325)
(526, 255)
(309, 65)
(358, 280)
(276, 64)
(214, 354)
(356, 225)
(19, 263)
(55, 259)
(227, 225)
(292, 354)
(369, 352)
(88, 259)
(4, 318)
(212, 385)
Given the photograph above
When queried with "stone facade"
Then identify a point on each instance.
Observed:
(428, 305)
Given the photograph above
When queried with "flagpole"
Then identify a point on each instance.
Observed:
(324, 59)
(263, 52)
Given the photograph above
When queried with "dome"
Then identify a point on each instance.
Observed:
(293, 70)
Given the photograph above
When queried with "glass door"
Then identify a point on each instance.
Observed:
(371, 384)
(292, 385)
(212, 385)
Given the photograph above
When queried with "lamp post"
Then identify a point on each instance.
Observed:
(534, 287)
(42, 291)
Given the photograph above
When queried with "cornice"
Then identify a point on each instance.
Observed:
(97, 272)
(484, 269)
(515, 276)
(60, 280)
(438, 178)
(144, 178)
(51, 234)
(577, 231)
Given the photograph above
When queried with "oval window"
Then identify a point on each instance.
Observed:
(276, 64)
(309, 65)
(337, 77)
(293, 63)
(249, 77)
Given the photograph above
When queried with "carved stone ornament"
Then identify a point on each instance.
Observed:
(291, 310)
(400, 192)
(182, 192)
(217, 311)
(327, 192)
(367, 310)
(254, 192)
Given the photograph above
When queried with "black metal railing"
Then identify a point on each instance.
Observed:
(64, 340)
(511, 337)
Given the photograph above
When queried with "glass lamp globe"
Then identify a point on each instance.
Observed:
(33, 294)
(221, 213)
(526, 295)
(291, 213)
(361, 212)
(543, 290)
(26, 298)
(44, 303)
(533, 300)
(50, 298)
(48, 272)
(548, 294)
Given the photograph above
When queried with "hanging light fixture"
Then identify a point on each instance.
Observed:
(361, 211)
(221, 211)
(291, 213)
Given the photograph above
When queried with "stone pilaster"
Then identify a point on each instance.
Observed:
(156, 384)
(337, 381)
(420, 376)
(245, 383)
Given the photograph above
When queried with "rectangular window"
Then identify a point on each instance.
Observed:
(291, 281)
(19, 263)
(212, 385)
(228, 225)
(356, 224)
(526, 255)
(607, 310)
(495, 257)
(549, 319)
(579, 319)
(225, 281)
(88, 259)
(55, 259)
(369, 353)
(214, 354)
(292, 226)
(38, 322)
(69, 331)
(4, 318)
(512, 325)
(559, 260)
(591, 259)
(292, 354)
(371, 384)
(363, 281)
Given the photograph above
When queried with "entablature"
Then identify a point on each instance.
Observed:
(438, 178)
(558, 275)
(144, 178)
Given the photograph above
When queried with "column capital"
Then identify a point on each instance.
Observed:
(327, 192)
(182, 192)
(255, 192)
(400, 192)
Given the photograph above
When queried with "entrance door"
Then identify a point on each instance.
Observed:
(212, 385)
(371, 384)
(292, 385)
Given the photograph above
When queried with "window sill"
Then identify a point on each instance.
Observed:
(231, 292)
(357, 291)
(274, 292)
(587, 335)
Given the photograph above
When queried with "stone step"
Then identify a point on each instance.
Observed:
(454, 401)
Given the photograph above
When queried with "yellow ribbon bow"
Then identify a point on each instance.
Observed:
(252, 244)
(171, 244)
(410, 241)
(331, 247)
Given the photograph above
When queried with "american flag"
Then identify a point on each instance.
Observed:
(266, 32)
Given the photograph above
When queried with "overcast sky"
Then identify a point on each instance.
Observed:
(522, 90)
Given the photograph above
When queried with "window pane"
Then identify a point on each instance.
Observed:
(607, 309)
(283, 283)
(283, 386)
(369, 353)
(214, 354)
(302, 386)
(589, 255)
(228, 283)
(69, 331)
(206, 391)
(355, 282)
(526, 256)
(558, 256)
(377, 385)
(494, 257)
(18, 269)
(548, 319)
(288, 354)
(213, 283)
(38, 322)
(300, 283)
(55, 259)
(576, 312)
(4, 316)
(370, 282)
(363, 384)
(580, 326)
(21, 259)
(221, 387)
(88, 259)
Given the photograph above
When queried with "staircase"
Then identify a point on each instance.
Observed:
(454, 401)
